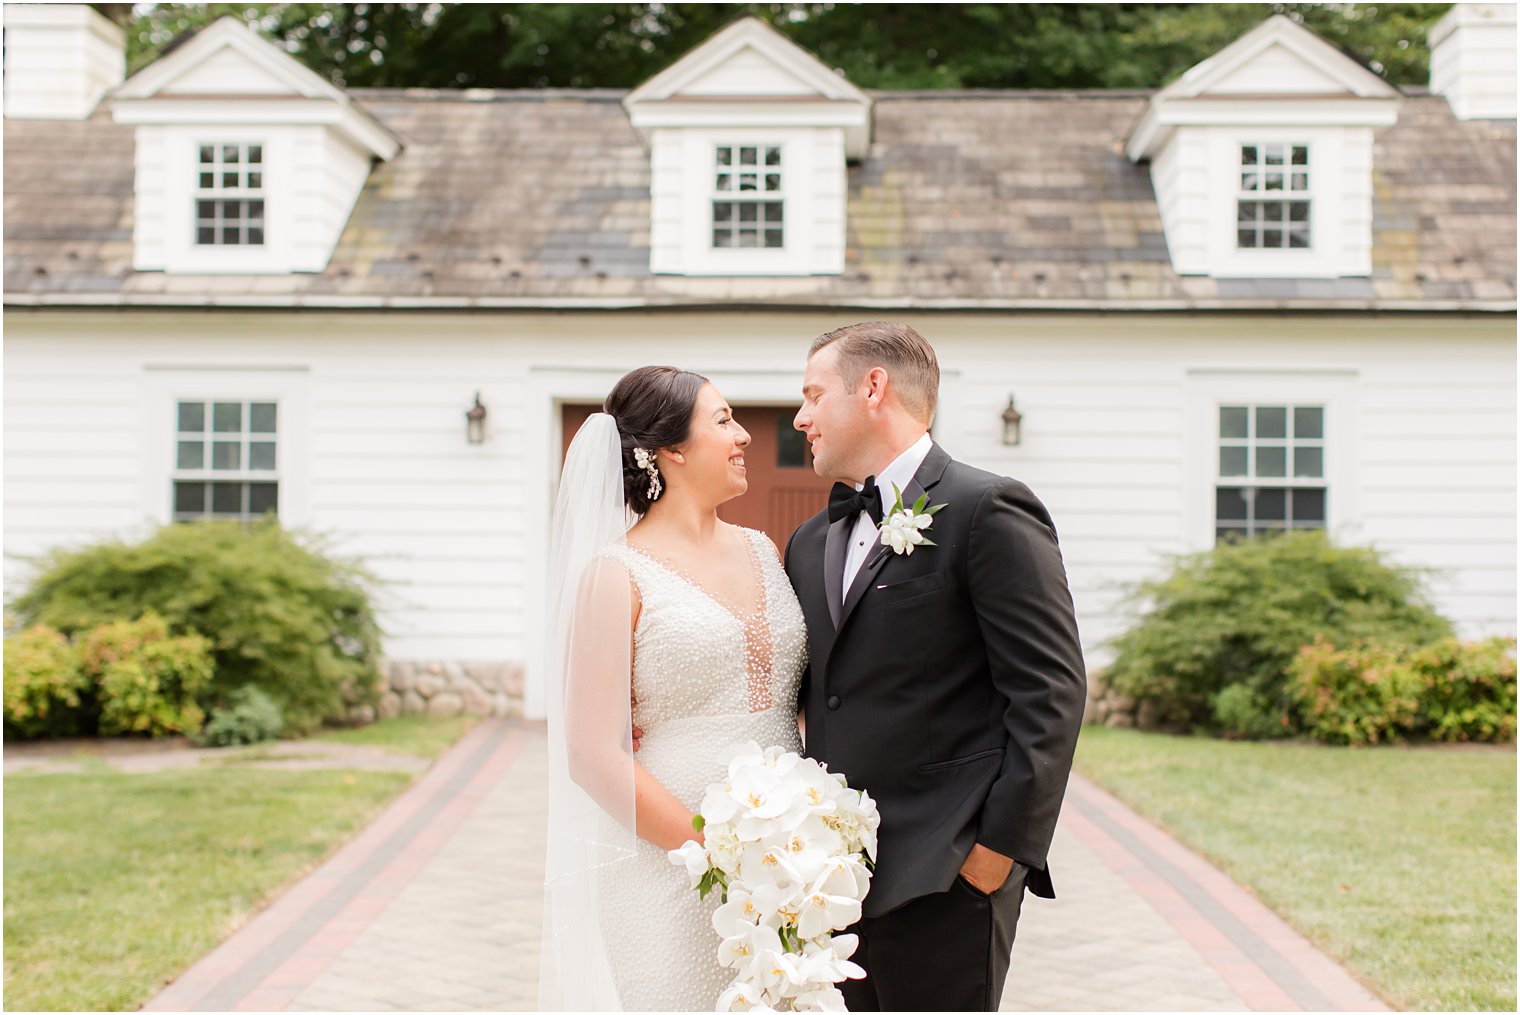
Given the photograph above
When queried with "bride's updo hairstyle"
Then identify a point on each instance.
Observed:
(653, 407)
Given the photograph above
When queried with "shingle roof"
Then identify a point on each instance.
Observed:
(995, 199)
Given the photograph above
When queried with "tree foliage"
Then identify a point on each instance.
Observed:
(898, 46)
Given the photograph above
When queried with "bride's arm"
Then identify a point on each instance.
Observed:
(598, 717)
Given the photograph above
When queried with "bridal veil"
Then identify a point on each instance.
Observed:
(591, 781)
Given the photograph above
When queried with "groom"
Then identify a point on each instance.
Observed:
(948, 682)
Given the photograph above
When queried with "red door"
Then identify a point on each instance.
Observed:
(783, 492)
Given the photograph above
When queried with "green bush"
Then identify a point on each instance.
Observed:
(287, 618)
(46, 692)
(1240, 712)
(1448, 690)
(249, 716)
(1363, 695)
(1239, 613)
(147, 681)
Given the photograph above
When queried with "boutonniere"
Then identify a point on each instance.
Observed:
(903, 528)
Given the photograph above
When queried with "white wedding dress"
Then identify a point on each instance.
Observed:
(706, 674)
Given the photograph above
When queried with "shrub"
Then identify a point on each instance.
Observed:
(1240, 712)
(1355, 696)
(46, 693)
(249, 717)
(1469, 691)
(1238, 614)
(288, 618)
(1448, 690)
(147, 681)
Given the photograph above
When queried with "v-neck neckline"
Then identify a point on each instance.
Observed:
(762, 597)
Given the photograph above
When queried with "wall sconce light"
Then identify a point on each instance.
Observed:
(1012, 419)
(475, 421)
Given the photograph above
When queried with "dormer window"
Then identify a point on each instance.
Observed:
(229, 196)
(747, 205)
(1272, 210)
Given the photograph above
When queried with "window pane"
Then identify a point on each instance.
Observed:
(1271, 422)
(208, 155)
(256, 153)
(227, 498)
(230, 235)
(773, 238)
(1300, 155)
(192, 417)
(192, 455)
(1232, 421)
(1298, 211)
(725, 182)
(230, 154)
(1232, 461)
(1246, 238)
(1309, 422)
(255, 179)
(1248, 155)
(749, 181)
(1273, 181)
(1245, 212)
(1229, 504)
(1309, 509)
(1272, 211)
(208, 180)
(722, 238)
(261, 417)
(748, 156)
(1274, 154)
(725, 156)
(255, 235)
(1309, 462)
(772, 212)
(205, 211)
(1300, 181)
(263, 497)
(261, 455)
(1271, 461)
(189, 498)
(226, 455)
(1271, 504)
(229, 179)
(722, 211)
(227, 417)
(1250, 181)
(206, 235)
(791, 444)
(1271, 237)
(748, 213)
(1225, 534)
(773, 156)
(772, 181)
(749, 238)
(1298, 237)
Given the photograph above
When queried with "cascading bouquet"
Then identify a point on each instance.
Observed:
(790, 848)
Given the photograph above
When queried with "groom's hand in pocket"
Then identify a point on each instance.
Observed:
(986, 870)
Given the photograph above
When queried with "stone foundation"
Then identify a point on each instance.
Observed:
(1107, 707)
(448, 687)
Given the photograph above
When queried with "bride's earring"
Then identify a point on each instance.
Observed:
(645, 460)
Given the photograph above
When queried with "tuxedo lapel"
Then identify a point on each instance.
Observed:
(834, 547)
(928, 474)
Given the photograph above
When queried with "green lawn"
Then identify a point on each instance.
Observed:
(116, 883)
(416, 735)
(1399, 862)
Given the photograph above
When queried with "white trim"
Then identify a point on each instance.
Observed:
(1205, 389)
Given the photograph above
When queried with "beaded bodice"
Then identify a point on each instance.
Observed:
(695, 655)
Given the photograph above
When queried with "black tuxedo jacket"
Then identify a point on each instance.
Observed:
(947, 683)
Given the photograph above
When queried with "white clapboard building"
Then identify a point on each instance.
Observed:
(1277, 293)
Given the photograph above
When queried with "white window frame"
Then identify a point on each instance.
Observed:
(182, 188)
(737, 198)
(218, 192)
(242, 439)
(1290, 443)
(696, 148)
(1262, 197)
(1207, 389)
(166, 385)
(1324, 257)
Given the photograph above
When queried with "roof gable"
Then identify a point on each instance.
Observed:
(1278, 57)
(749, 60)
(227, 58)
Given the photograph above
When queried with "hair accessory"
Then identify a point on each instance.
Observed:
(645, 460)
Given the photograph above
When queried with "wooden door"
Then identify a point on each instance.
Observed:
(783, 492)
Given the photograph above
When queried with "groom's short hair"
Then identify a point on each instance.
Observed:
(907, 356)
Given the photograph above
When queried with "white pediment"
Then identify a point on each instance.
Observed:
(750, 75)
(228, 72)
(748, 72)
(1277, 70)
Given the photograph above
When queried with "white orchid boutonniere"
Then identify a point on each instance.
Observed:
(903, 528)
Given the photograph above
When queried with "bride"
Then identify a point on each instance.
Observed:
(683, 626)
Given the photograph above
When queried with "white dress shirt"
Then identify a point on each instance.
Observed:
(865, 535)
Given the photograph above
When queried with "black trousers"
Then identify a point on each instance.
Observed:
(944, 952)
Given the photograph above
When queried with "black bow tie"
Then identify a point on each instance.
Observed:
(846, 502)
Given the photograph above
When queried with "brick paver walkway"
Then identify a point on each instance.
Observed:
(436, 907)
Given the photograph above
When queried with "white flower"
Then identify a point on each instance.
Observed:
(693, 857)
(903, 527)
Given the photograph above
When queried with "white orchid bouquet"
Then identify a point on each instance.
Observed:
(790, 848)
